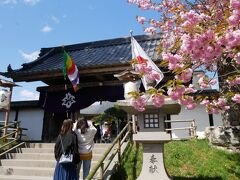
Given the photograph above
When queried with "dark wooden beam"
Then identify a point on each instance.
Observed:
(61, 87)
(40, 76)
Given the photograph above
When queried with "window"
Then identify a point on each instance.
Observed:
(151, 121)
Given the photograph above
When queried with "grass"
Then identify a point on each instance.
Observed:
(193, 159)
(4, 141)
(131, 166)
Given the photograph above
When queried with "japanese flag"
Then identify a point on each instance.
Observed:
(140, 55)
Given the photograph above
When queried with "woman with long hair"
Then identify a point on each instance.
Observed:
(85, 134)
(66, 142)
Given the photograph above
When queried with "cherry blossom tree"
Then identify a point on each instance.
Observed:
(200, 34)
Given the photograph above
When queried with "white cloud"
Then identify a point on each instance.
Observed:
(8, 2)
(46, 29)
(55, 19)
(28, 95)
(31, 2)
(30, 57)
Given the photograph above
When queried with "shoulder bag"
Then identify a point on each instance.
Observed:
(65, 158)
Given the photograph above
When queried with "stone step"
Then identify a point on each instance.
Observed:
(41, 156)
(23, 171)
(31, 163)
(16, 177)
(51, 145)
(51, 150)
(37, 162)
(30, 171)
(28, 163)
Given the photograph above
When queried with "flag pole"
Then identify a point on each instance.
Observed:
(133, 116)
(64, 75)
(131, 33)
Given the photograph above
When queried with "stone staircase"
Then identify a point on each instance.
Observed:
(37, 162)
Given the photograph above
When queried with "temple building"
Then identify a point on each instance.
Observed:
(97, 62)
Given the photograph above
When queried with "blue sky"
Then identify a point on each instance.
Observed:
(26, 26)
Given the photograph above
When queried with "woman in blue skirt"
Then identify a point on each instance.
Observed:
(66, 142)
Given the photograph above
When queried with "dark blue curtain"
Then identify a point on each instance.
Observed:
(84, 97)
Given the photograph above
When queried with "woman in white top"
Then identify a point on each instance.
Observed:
(85, 133)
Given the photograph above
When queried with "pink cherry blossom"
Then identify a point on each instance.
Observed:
(190, 89)
(176, 93)
(185, 76)
(140, 19)
(154, 23)
(235, 4)
(237, 58)
(154, 76)
(150, 30)
(212, 110)
(203, 83)
(185, 100)
(213, 81)
(205, 102)
(236, 98)
(143, 68)
(191, 106)
(235, 81)
(204, 36)
(139, 103)
(158, 100)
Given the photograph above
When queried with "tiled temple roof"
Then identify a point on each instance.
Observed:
(104, 53)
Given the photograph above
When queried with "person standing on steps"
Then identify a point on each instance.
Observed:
(98, 135)
(66, 142)
(85, 133)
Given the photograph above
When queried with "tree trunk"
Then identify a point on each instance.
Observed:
(232, 116)
(229, 134)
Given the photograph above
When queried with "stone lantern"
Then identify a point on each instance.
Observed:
(131, 82)
(152, 135)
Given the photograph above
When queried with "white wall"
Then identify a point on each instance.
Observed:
(201, 118)
(32, 119)
(11, 118)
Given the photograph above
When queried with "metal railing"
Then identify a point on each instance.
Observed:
(119, 141)
(191, 128)
(13, 131)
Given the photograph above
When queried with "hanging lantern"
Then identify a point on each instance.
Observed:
(131, 82)
(131, 86)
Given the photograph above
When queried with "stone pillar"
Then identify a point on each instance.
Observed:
(153, 165)
(153, 159)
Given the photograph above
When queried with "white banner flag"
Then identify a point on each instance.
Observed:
(4, 100)
(141, 56)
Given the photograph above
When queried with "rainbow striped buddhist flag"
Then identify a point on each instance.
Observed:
(70, 70)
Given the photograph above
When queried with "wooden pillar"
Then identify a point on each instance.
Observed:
(210, 119)
(119, 152)
(134, 127)
(133, 124)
